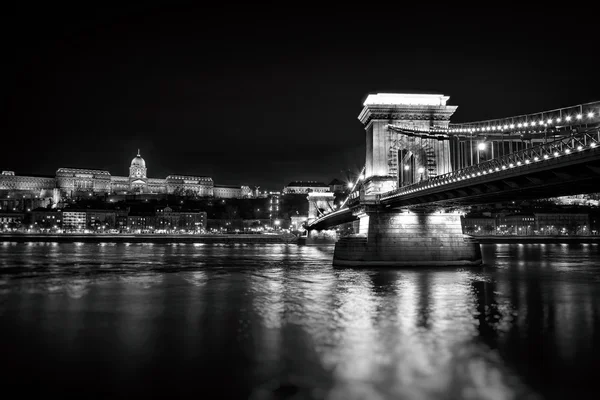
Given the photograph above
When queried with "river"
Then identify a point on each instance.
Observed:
(277, 321)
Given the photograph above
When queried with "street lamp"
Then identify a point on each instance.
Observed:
(480, 147)
(420, 171)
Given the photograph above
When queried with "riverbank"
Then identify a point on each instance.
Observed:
(148, 238)
(246, 238)
(536, 239)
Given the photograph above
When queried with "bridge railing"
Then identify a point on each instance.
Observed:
(581, 114)
(576, 142)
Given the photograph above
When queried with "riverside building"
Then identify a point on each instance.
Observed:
(77, 182)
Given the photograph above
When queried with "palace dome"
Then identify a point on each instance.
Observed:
(138, 161)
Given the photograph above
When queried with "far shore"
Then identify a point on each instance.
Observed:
(148, 238)
(500, 239)
(247, 238)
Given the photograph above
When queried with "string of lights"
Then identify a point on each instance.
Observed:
(569, 116)
(564, 117)
(555, 149)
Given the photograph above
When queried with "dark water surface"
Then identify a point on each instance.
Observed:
(279, 322)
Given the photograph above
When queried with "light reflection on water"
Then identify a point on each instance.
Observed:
(278, 321)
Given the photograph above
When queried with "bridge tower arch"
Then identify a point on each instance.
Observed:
(387, 118)
(319, 203)
(406, 141)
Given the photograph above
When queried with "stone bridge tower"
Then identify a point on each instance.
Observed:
(318, 203)
(394, 158)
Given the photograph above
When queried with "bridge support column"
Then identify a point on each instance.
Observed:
(402, 238)
(325, 236)
(319, 203)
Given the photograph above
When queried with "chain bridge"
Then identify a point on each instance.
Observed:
(422, 172)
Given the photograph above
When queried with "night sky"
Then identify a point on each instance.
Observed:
(261, 95)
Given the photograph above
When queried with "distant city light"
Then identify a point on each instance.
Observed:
(481, 146)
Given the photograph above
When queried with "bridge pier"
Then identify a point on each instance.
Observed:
(324, 236)
(403, 238)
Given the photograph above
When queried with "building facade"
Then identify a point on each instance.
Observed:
(46, 219)
(562, 223)
(168, 219)
(305, 187)
(73, 182)
(228, 192)
(479, 225)
(74, 220)
(337, 186)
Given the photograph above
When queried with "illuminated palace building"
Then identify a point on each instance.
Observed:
(72, 182)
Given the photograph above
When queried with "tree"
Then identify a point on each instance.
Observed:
(15, 224)
(189, 193)
(231, 212)
(572, 227)
(178, 191)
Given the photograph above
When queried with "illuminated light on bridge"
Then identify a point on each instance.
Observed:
(579, 116)
(568, 118)
(590, 115)
(567, 151)
(556, 154)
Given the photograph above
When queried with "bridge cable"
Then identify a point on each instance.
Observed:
(354, 186)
